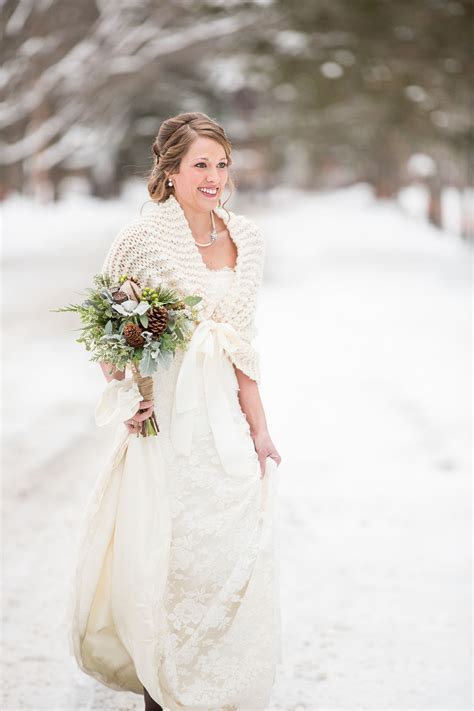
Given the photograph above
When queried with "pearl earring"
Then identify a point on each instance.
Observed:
(170, 182)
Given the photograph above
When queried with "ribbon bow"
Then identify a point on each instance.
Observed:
(207, 354)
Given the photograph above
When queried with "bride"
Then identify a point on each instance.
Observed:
(175, 593)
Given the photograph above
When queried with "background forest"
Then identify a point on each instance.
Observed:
(315, 94)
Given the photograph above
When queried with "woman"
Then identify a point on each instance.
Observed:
(175, 594)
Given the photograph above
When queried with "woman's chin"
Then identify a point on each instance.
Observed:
(209, 198)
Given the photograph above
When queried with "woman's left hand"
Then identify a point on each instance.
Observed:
(265, 448)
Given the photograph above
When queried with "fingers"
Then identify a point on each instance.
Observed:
(132, 426)
(145, 406)
(263, 458)
(145, 410)
(143, 415)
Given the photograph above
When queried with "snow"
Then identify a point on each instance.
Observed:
(371, 419)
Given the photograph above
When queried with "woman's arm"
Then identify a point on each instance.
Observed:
(252, 407)
(116, 374)
(251, 403)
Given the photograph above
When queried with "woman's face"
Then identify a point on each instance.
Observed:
(203, 166)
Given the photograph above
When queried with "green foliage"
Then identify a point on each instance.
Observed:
(192, 300)
(102, 326)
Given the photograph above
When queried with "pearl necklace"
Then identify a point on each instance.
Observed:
(213, 234)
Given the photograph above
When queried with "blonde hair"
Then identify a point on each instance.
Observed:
(174, 138)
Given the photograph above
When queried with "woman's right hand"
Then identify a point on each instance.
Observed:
(145, 410)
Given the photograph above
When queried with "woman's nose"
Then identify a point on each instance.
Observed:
(212, 176)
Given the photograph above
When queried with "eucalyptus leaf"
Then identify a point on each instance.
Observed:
(113, 337)
(192, 300)
(106, 294)
(165, 358)
(147, 363)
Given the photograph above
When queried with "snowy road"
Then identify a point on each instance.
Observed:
(372, 420)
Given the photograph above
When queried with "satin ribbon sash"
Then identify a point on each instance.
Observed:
(207, 357)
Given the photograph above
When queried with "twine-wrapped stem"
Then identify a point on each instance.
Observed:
(145, 386)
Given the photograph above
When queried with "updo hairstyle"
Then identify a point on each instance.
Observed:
(175, 136)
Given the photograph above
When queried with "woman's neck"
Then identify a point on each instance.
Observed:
(200, 223)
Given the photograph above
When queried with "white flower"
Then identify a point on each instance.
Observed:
(132, 308)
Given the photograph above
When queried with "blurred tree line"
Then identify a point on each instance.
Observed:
(314, 94)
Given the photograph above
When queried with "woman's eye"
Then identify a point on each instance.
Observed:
(222, 164)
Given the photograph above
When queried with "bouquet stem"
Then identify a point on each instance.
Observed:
(149, 427)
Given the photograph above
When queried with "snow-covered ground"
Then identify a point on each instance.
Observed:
(364, 334)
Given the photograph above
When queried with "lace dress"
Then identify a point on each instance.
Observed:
(185, 598)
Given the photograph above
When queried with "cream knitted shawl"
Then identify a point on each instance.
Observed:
(159, 248)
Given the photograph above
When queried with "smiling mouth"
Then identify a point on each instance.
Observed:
(209, 192)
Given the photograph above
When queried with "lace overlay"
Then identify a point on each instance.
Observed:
(213, 640)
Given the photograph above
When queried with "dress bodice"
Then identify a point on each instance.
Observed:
(218, 283)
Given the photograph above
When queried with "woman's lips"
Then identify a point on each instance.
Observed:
(209, 195)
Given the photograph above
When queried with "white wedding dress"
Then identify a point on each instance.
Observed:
(176, 586)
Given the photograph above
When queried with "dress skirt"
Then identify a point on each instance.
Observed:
(175, 586)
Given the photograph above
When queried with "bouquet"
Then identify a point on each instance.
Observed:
(127, 325)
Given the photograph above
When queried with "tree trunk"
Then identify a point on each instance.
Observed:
(435, 212)
(467, 214)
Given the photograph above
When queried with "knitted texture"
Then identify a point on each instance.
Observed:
(159, 249)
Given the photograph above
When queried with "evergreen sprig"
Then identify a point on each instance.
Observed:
(103, 325)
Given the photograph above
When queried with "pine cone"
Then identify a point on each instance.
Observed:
(157, 320)
(178, 305)
(133, 335)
